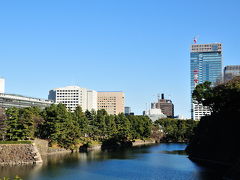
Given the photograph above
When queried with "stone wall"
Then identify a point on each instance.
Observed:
(142, 142)
(42, 146)
(13, 154)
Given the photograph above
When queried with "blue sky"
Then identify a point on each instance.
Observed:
(140, 47)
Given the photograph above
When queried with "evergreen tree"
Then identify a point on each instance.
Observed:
(26, 123)
(3, 125)
(13, 127)
(82, 120)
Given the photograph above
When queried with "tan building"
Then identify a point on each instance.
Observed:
(112, 102)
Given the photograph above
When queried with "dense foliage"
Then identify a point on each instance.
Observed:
(216, 137)
(67, 129)
(175, 130)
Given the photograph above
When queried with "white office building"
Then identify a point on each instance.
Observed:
(2, 85)
(73, 96)
(154, 114)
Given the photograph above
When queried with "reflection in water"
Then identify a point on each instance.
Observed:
(164, 161)
(21, 170)
(179, 152)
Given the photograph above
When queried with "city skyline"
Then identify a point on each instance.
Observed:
(105, 46)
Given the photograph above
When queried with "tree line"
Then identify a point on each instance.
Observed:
(175, 130)
(56, 124)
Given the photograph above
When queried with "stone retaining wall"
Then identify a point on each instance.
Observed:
(13, 154)
(142, 142)
(42, 146)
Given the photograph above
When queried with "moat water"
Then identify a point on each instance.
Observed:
(161, 162)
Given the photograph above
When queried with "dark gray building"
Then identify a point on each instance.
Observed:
(231, 71)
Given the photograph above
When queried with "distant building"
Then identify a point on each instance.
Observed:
(73, 96)
(230, 72)
(154, 114)
(165, 105)
(19, 101)
(205, 65)
(180, 117)
(127, 110)
(13, 100)
(2, 85)
(111, 101)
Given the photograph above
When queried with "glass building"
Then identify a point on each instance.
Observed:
(205, 65)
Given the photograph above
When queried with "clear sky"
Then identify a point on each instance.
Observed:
(140, 47)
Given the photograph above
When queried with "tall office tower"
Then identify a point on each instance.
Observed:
(2, 85)
(73, 96)
(206, 65)
(112, 102)
(165, 105)
(230, 72)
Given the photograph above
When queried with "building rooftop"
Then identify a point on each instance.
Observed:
(21, 97)
(232, 67)
(212, 47)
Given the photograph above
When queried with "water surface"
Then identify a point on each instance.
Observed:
(162, 161)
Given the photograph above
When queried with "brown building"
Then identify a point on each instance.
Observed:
(165, 105)
(112, 102)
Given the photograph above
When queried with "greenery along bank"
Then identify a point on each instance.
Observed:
(176, 130)
(217, 136)
(68, 129)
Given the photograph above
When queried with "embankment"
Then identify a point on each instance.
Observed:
(15, 154)
(143, 142)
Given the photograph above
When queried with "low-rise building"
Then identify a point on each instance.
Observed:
(19, 101)
(154, 114)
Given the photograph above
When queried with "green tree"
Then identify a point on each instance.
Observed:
(13, 130)
(26, 123)
(3, 125)
(110, 126)
(123, 126)
(82, 120)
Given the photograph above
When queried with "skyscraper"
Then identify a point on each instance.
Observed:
(205, 65)
(230, 72)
